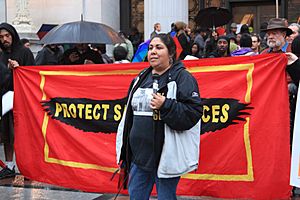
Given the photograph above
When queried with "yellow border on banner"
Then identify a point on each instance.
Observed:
(224, 177)
(239, 67)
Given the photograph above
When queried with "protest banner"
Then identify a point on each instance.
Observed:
(66, 118)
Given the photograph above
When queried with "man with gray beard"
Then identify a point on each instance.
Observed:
(277, 31)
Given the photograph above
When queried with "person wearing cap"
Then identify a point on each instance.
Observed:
(223, 48)
(233, 29)
(277, 31)
(232, 35)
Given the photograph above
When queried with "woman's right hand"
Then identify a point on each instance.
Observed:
(157, 101)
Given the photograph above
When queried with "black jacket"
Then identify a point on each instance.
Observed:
(185, 45)
(187, 105)
(49, 56)
(294, 71)
(88, 54)
(16, 52)
(4, 76)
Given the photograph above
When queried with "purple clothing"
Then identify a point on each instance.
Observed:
(242, 51)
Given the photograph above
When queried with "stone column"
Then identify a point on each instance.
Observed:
(165, 12)
(106, 12)
(3, 10)
(22, 21)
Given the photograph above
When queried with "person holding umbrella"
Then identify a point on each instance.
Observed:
(159, 99)
(81, 34)
(50, 54)
(81, 54)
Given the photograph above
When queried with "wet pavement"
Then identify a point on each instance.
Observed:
(19, 188)
(16, 193)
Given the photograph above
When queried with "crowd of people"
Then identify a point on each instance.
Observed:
(161, 113)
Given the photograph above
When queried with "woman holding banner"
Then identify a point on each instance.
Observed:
(158, 137)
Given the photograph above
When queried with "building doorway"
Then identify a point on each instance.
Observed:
(262, 10)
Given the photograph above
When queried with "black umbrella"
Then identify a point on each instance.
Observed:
(213, 17)
(82, 32)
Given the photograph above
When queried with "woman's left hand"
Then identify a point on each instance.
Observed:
(157, 101)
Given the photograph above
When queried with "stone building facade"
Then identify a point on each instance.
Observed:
(29, 15)
(262, 10)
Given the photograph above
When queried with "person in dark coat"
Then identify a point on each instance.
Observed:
(13, 54)
(210, 44)
(200, 35)
(136, 38)
(244, 29)
(81, 54)
(223, 48)
(293, 87)
(49, 55)
(101, 49)
(183, 39)
(196, 50)
(14, 49)
(3, 80)
(25, 42)
(262, 35)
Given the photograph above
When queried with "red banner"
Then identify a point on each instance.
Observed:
(66, 118)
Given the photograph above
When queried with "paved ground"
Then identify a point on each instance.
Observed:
(18, 188)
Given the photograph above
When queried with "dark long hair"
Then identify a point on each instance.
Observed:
(169, 42)
(198, 53)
